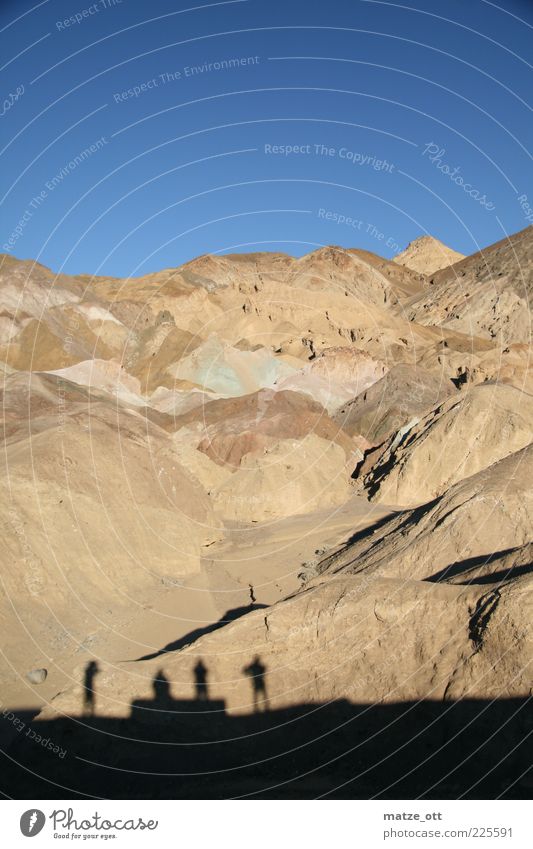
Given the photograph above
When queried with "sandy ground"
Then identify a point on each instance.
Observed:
(256, 563)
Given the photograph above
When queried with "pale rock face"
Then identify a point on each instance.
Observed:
(178, 401)
(199, 466)
(229, 371)
(229, 428)
(289, 478)
(31, 289)
(106, 375)
(96, 313)
(8, 329)
(336, 376)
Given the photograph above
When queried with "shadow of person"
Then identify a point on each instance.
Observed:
(91, 671)
(200, 681)
(256, 672)
(161, 687)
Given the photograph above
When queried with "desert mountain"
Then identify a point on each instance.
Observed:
(323, 462)
(487, 294)
(427, 255)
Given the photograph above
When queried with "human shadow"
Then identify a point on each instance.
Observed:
(200, 681)
(161, 688)
(256, 671)
(91, 671)
(192, 636)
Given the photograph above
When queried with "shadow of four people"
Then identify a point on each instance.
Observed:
(196, 748)
(256, 671)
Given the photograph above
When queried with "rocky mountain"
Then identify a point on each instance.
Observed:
(487, 294)
(427, 255)
(316, 467)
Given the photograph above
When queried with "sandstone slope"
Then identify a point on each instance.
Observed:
(404, 393)
(454, 440)
(97, 510)
(484, 515)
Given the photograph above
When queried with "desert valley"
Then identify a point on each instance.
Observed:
(264, 493)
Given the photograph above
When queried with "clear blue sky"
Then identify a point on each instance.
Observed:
(390, 107)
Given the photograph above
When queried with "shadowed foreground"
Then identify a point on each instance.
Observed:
(194, 749)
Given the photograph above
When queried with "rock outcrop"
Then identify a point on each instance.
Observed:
(455, 439)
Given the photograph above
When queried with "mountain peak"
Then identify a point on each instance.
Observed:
(427, 255)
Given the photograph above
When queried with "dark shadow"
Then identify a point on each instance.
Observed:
(471, 564)
(192, 636)
(370, 458)
(403, 519)
(13, 723)
(194, 749)
(200, 681)
(400, 522)
(256, 671)
(379, 472)
(502, 576)
(369, 530)
(161, 688)
(91, 671)
(460, 380)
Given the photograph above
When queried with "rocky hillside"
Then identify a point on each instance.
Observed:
(318, 467)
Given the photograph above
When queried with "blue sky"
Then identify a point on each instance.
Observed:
(136, 136)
